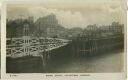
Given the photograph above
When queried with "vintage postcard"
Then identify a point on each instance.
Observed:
(84, 39)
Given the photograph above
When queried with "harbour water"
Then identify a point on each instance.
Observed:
(108, 62)
(97, 64)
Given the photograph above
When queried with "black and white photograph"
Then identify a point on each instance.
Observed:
(74, 36)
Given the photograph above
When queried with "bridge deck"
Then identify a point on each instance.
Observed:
(18, 47)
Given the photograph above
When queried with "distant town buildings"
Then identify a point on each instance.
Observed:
(48, 26)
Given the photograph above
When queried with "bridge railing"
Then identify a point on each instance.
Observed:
(18, 47)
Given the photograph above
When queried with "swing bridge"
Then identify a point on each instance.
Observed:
(24, 46)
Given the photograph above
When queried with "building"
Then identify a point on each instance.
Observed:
(49, 26)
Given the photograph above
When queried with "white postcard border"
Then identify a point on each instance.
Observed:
(45, 76)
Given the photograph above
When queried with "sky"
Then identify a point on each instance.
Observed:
(72, 13)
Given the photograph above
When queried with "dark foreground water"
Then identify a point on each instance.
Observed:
(102, 63)
(111, 62)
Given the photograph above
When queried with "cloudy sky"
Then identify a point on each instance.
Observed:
(72, 13)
